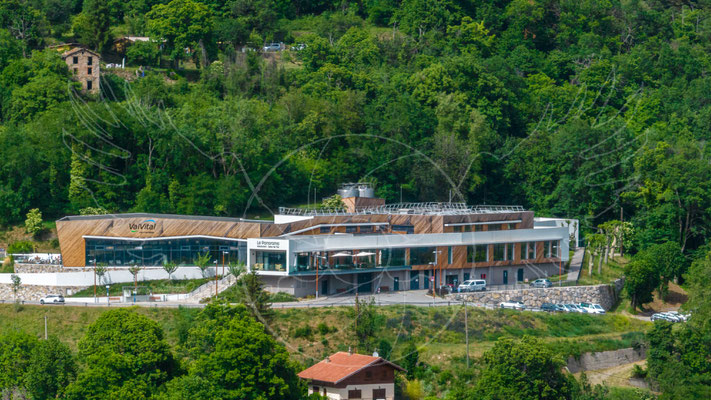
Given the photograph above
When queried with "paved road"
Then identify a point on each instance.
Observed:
(575, 264)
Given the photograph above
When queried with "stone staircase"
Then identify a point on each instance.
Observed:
(208, 289)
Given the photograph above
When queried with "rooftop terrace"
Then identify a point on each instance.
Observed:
(406, 208)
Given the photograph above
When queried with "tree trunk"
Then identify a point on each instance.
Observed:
(591, 261)
(599, 263)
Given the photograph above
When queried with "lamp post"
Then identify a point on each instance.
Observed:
(107, 296)
(216, 276)
(95, 280)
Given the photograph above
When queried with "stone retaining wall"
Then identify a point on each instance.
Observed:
(605, 359)
(605, 295)
(32, 292)
(37, 268)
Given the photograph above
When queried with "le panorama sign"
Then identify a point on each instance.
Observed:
(265, 244)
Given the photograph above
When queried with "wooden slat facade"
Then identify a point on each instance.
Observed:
(71, 230)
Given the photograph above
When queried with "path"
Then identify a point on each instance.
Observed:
(575, 264)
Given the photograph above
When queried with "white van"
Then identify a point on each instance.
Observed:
(473, 285)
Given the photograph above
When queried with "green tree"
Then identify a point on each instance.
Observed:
(254, 297)
(641, 278)
(522, 369)
(16, 284)
(92, 26)
(184, 24)
(144, 53)
(410, 359)
(33, 223)
(229, 355)
(16, 349)
(51, 369)
(100, 270)
(668, 261)
(364, 317)
(203, 262)
(134, 270)
(334, 202)
(24, 22)
(124, 354)
(170, 267)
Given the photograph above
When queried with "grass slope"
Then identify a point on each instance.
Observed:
(160, 286)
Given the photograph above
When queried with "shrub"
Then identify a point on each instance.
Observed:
(281, 297)
(8, 265)
(324, 329)
(304, 331)
(20, 246)
(639, 372)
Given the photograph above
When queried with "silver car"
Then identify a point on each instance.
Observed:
(541, 283)
(272, 47)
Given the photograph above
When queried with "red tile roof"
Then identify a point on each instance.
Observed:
(340, 366)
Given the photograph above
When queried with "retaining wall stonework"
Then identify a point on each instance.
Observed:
(605, 359)
(32, 292)
(605, 295)
(37, 268)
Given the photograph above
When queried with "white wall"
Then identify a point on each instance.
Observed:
(86, 278)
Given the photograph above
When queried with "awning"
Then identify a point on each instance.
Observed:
(342, 254)
(364, 254)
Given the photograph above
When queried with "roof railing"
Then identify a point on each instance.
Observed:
(430, 208)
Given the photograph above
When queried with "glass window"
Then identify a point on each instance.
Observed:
(408, 229)
(88, 70)
(512, 226)
(75, 60)
(366, 229)
(524, 251)
(494, 227)
(351, 229)
(478, 228)
(467, 228)
(547, 249)
(510, 251)
(457, 228)
(531, 250)
(555, 244)
(89, 85)
(157, 252)
(482, 253)
(499, 252)
(325, 229)
(392, 257)
(449, 255)
(422, 255)
(270, 261)
(90, 60)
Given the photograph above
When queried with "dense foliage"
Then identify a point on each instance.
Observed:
(574, 109)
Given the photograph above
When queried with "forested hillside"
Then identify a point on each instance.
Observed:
(584, 108)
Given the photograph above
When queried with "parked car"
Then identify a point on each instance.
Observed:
(299, 46)
(677, 315)
(560, 308)
(541, 283)
(272, 47)
(549, 307)
(52, 299)
(513, 305)
(574, 308)
(592, 308)
(663, 317)
(472, 285)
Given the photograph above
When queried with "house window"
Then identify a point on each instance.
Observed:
(477, 253)
(478, 228)
(499, 252)
(368, 375)
(457, 228)
(467, 228)
(555, 244)
(90, 60)
(75, 60)
(524, 251)
(512, 226)
(449, 255)
(89, 85)
(495, 227)
(408, 229)
(76, 71)
(510, 251)
(88, 71)
(366, 229)
(325, 229)
(547, 249)
(316, 389)
(354, 394)
(531, 250)
(351, 229)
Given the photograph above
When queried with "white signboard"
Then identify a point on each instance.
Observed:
(266, 244)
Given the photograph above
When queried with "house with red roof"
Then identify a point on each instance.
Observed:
(346, 375)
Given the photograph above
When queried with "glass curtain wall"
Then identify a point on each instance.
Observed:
(157, 252)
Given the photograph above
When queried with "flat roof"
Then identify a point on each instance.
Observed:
(166, 216)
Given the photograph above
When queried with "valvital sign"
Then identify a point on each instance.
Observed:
(147, 226)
